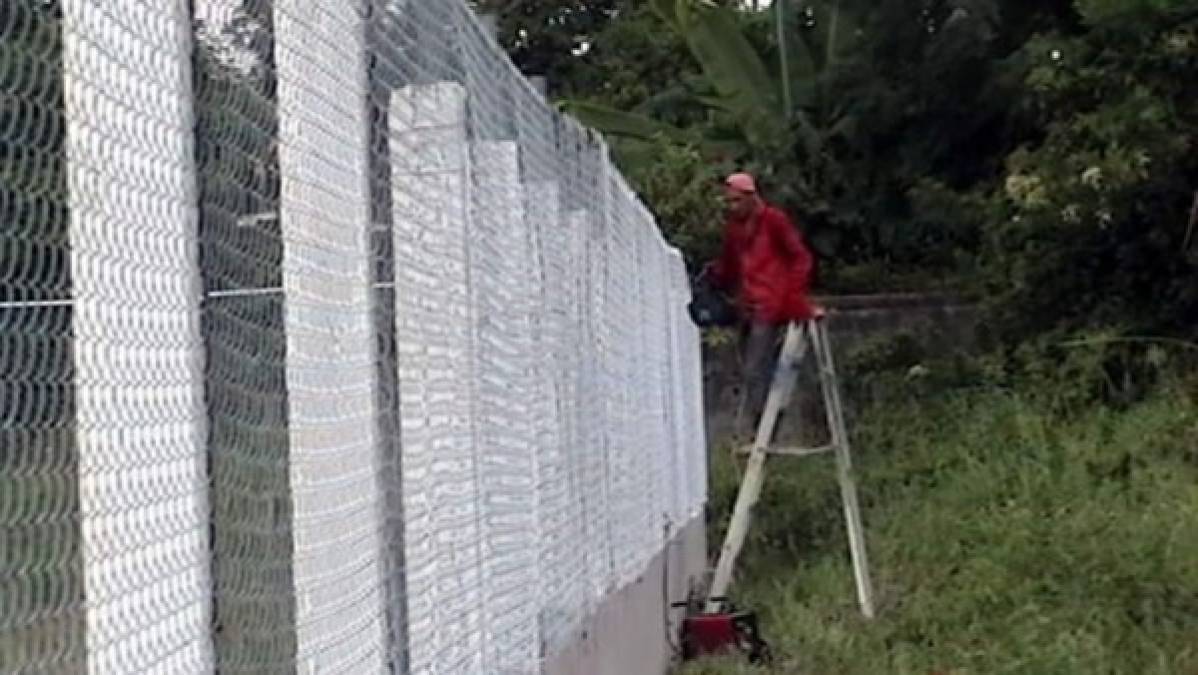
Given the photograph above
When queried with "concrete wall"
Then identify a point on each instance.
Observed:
(635, 632)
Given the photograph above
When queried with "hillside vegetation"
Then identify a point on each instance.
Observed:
(1024, 529)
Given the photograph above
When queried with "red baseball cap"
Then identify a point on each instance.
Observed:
(742, 182)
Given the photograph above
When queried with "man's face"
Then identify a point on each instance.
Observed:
(739, 204)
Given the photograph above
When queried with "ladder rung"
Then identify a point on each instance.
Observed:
(800, 452)
(789, 452)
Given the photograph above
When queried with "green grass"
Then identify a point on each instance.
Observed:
(1005, 538)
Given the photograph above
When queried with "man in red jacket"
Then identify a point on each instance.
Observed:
(766, 265)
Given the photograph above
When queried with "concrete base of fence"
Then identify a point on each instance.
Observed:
(635, 632)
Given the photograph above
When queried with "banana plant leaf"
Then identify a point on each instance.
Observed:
(613, 122)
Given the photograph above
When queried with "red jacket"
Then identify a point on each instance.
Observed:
(765, 261)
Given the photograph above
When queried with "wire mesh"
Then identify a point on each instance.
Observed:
(41, 572)
(326, 345)
(140, 421)
(241, 260)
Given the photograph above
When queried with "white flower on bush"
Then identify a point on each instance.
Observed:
(1092, 177)
(917, 371)
(1143, 162)
(1179, 42)
(1026, 190)
(1072, 214)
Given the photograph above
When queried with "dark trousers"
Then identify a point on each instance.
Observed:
(759, 351)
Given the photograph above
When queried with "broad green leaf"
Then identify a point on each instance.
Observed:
(808, 135)
(635, 152)
(729, 61)
(804, 93)
(669, 98)
(846, 127)
(719, 103)
(722, 148)
(835, 35)
(608, 120)
(667, 10)
(833, 29)
(641, 152)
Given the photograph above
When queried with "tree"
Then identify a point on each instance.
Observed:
(552, 37)
(1090, 221)
(932, 140)
(819, 128)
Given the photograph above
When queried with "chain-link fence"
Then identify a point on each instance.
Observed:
(326, 345)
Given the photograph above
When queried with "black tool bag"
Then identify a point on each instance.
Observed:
(709, 306)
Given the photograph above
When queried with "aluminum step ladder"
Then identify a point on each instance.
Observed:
(800, 338)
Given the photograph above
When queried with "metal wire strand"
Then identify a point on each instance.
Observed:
(326, 345)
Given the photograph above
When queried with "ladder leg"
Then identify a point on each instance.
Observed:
(750, 488)
(844, 466)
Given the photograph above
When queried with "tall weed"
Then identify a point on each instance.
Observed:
(1031, 522)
